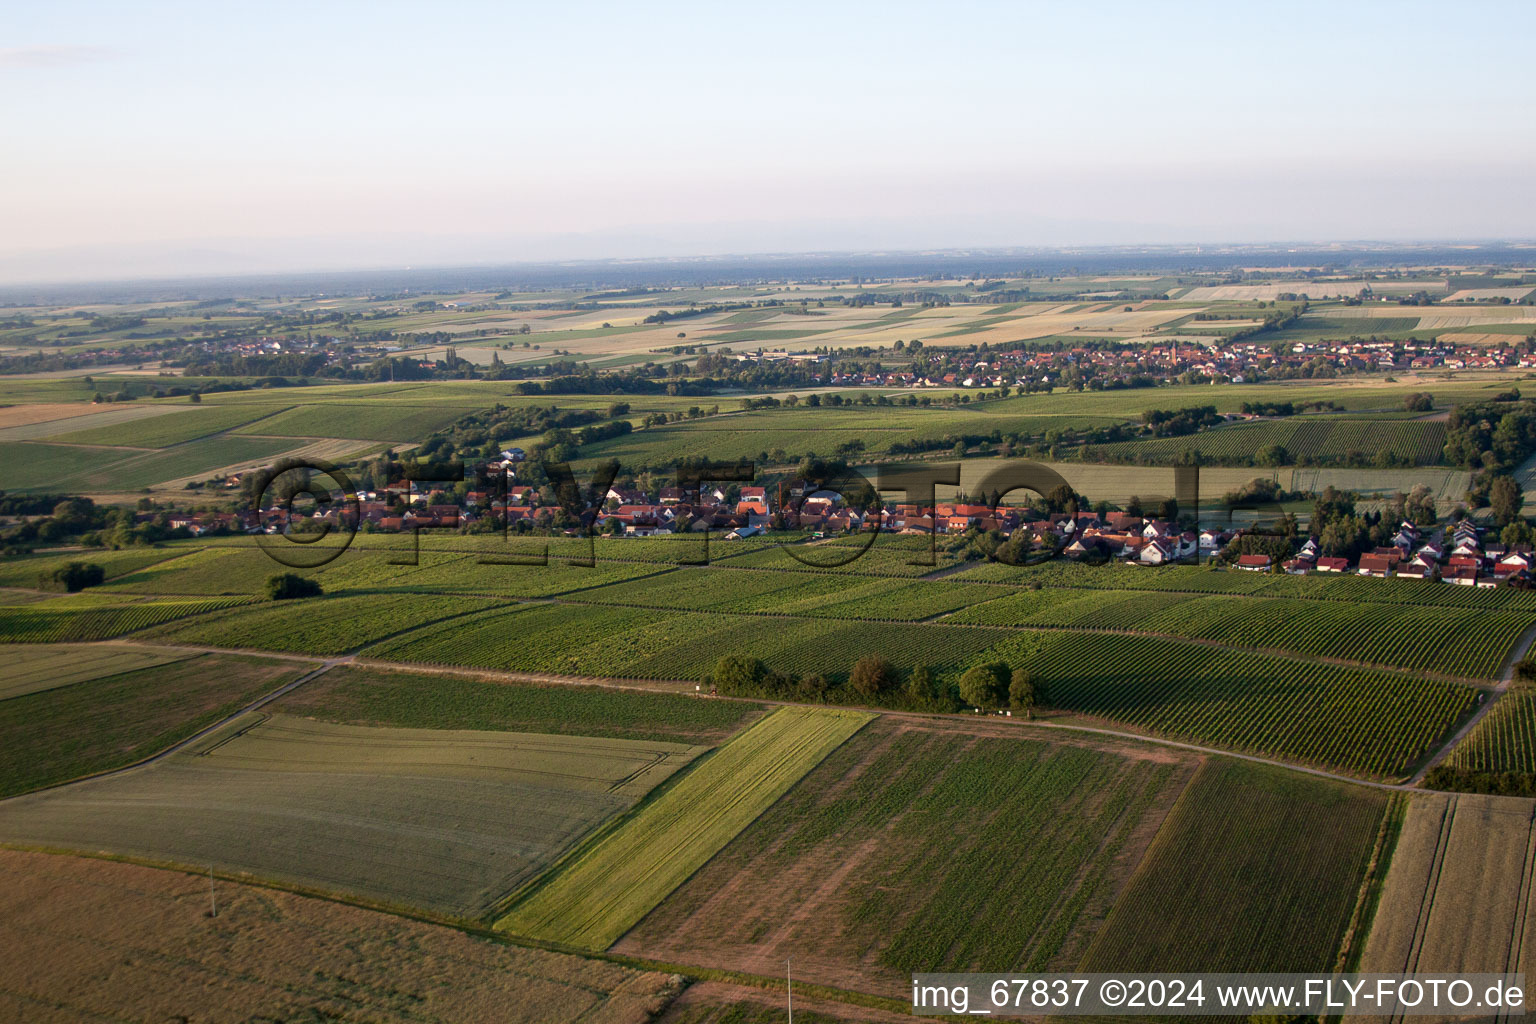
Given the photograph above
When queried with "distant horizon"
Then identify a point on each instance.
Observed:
(1216, 254)
(185, 138)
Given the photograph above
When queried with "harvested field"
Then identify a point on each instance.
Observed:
(448, 821)
(1457, 897)
(31, 668)
(149, 952)
(1513, 294)
(1256, 869)
(54, 735)
(884, 859)
(609, 886)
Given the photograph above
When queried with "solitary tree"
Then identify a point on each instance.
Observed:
(985, 686)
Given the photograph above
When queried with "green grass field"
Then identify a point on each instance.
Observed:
(82, 617)
(55, 468)
(370, 421)
(324, 625)
(33, 466)
(606, 888)
(176, 425)
(25, 570)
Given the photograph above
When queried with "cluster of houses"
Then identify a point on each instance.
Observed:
(1457, 556)
(1234, 361)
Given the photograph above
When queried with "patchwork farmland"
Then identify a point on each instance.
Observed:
(1352, 675)
(604, 889)
(883, 860)
(487, 733)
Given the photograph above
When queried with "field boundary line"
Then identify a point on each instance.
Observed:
(1358, 931)
(686, 685)
(201, 734)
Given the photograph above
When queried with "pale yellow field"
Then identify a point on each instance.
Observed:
(1269, 292)
(1317, 289)
(1479, 317)
(1458, 892)
(1473, 338)
(1512, 294)
(27, 422)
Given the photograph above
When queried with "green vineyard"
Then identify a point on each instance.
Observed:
(1358, 720)
(328, 625)
(1210, 580)
(65, 620)
(1460, 642)
(1504, 741)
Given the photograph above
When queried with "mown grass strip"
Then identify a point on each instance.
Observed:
(606, 889)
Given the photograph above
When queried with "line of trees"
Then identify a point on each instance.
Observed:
(873, 680)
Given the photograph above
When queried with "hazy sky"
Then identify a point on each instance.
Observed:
(167, 137)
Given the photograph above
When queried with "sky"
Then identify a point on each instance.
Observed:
(148, 139)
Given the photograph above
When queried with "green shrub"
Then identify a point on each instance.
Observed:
(287, 585)
(75, 576)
